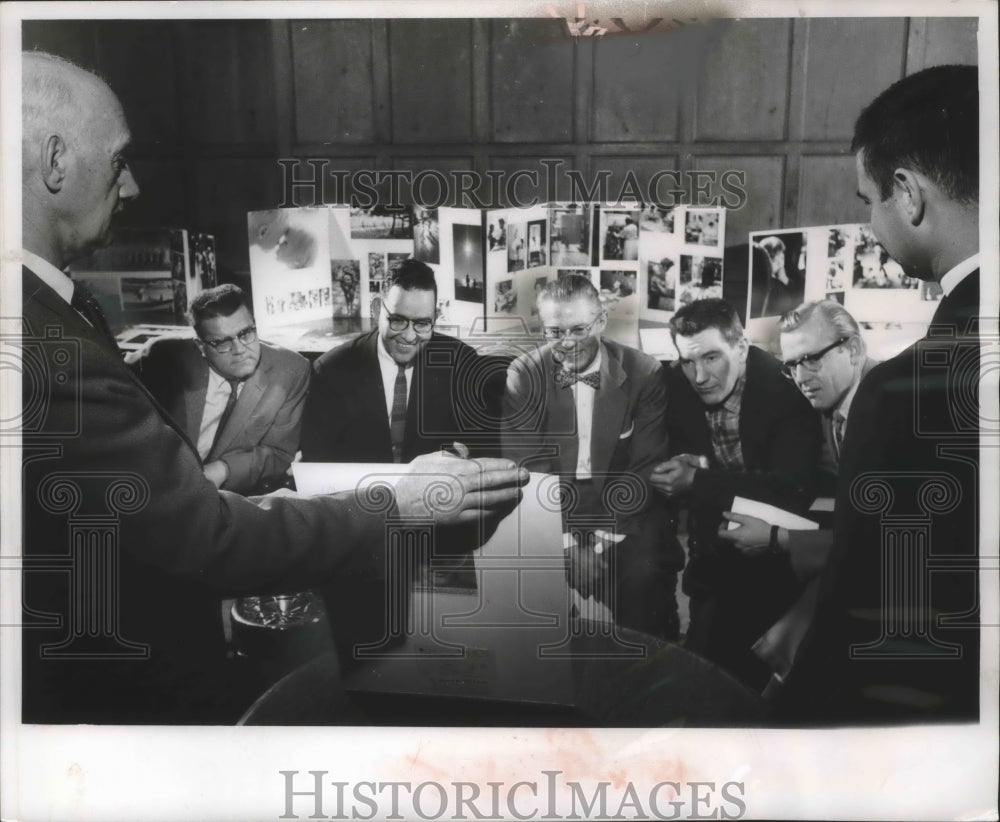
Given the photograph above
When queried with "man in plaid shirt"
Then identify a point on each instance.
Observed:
(736, 427)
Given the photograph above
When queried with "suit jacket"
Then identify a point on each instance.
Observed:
(262, 434)
(345, 417)
(780, 439)
(628, 438)
(137, 545)
(910, 453)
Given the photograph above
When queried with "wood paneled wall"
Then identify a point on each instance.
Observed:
(214, 104)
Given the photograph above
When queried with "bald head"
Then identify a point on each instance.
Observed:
(74, 174)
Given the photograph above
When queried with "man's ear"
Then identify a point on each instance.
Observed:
(375, 306)
(52, 157)
(909, 187)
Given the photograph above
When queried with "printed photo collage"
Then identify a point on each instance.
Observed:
(148, 276)
(843, 263)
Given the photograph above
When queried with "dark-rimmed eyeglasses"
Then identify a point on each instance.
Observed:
(577, 332)
(810, 362)
(398, 323)
(247, 336)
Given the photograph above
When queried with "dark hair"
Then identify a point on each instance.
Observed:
(701, 315)
(927, 122)
(410, 274)
(221, 301)
(569, 288)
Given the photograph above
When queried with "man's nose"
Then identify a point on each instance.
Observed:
(700, 373)
(128, 188)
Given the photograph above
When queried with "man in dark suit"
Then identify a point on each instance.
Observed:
(824, 355)
(127, 545)
(907, 503)
(238, 399)
(398, 391)
(736, 427)
(591, 411)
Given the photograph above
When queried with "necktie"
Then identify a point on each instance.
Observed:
(565, 378)
(86, 304)
(397, 419)
(227, 412)
(838, 433)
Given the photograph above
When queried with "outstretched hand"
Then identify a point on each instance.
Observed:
(449, 489)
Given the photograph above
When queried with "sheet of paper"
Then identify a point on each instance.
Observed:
(771, 515)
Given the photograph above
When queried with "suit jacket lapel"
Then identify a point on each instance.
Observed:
(247, 402)
(195, 392)
(371, 394)
(610, 404)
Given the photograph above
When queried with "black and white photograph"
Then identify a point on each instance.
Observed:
(273, 549)
(380, 223)
(619, 234)
(702, 227)
(777, 272)
(346, 279)
(517, 247)
(661, 284)
(537, 248)
(426, 235)
(699, 278)
(656, 218)
(570, 241)
(468, 262)
(496, 235)
(504, 298)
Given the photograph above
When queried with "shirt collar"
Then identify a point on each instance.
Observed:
(735, 398)
(49, 274)
(955, 275)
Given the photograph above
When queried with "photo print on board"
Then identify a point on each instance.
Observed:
(661, 284)
(777, 272)
(702, 227)
(467, 242)
(345, 278)
(570, 233)
(496, 235)
(619, 234)
(700, 278)
(537, 248)
(426, 235)
(874, 268)
(504, 298)
(517, 247)
(657, 219)
(380, 223)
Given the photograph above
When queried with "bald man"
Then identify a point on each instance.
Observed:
(137, 543)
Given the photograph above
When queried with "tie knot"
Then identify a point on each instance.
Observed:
(565, 378)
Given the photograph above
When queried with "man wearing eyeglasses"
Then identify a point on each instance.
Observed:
(239, 399)
(591, 411)
(395, 392)
(736, 427)
(824, 355)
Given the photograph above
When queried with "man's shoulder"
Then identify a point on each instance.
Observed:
(637, 364)
(284, 359)
(348, 355)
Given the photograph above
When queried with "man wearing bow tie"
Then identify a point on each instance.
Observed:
(591, 411)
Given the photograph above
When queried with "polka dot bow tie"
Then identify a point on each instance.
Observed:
(565, 378)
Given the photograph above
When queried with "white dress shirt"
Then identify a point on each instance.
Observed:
(955, 275)
(583, 396)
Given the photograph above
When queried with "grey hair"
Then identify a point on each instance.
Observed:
(830, 312)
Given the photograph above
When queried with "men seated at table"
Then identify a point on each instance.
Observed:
(824, 354)
(238, 399)
(735, 426)
(399, 390)
(592, 411)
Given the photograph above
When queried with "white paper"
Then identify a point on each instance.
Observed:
(771, 514)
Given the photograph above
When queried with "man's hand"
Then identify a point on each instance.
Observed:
(217, 472)
(587, 565)
(448, 489)
(676, 475)
(752, 538)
